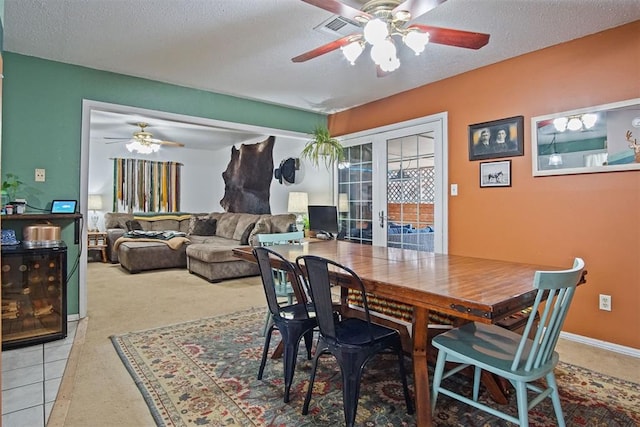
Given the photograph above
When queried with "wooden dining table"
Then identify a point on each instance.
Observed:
(476, 289)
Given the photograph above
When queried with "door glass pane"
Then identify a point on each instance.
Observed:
(410, 192)
(355, 184)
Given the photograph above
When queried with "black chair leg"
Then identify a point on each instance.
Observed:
(351, 376)
(312, 378)
(265, 350)
(403, 378)
(290, 355)
(308, 342)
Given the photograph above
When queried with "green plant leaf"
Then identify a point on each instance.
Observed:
(323, 146)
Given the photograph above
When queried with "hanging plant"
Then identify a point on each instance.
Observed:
(324, 147)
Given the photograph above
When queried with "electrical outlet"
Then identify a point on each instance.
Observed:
(39, 175)
(605, 302)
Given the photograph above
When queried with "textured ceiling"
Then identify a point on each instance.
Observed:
(244, 47)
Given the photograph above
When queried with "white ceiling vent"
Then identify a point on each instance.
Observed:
(338, 26)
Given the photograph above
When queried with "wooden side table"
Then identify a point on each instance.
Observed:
(97, 241)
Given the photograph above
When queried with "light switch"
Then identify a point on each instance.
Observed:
(454, 189)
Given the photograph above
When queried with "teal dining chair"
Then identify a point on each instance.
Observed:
(517, 358)
(282, 285)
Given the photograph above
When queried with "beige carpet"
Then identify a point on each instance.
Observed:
(103, 393)
(100, 392)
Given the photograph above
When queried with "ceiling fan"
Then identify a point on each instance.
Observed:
(384, 21)
(143, 141)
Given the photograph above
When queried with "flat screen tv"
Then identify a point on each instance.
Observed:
(323, 219)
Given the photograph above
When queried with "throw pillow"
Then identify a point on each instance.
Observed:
(263, 226)
(244, 240)
(133, 224)
(205, 227)
(193, 220)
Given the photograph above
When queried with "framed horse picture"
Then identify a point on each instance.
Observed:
(495, 174)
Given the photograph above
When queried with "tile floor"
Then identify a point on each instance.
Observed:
(31, 377)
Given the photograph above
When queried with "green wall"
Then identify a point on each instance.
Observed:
(42, 115)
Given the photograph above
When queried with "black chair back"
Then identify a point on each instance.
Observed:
(265, 257)
(319, 273)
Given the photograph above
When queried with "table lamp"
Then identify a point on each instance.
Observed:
(94, 204)
(298, 204)
(343, 210)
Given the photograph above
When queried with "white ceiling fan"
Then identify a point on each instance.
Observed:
(143, 141)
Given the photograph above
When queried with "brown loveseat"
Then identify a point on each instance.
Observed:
(205, 249)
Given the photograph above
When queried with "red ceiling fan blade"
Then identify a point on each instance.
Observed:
(338, 8)
(459, 38)
(417, 7)
(329, 47)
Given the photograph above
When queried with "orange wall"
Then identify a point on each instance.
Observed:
(541, 220)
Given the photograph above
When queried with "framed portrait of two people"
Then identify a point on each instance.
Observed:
(495, 139)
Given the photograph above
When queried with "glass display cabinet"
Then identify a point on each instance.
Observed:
(34, 295)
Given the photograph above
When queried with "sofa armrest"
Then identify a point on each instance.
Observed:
(112, 235)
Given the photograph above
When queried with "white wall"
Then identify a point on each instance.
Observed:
(202, 184)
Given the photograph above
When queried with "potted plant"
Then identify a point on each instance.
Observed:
(10, 186)
(323, 146)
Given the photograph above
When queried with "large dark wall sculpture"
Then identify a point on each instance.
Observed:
(247, 179)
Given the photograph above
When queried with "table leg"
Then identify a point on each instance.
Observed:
(277, 353)
(420, 370)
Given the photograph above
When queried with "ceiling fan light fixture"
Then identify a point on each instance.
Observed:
(416, 41)
(136, 146)
(375, 31)
(352, 51)
(574, 124)
(560, 124)
(589, 120)
(383, 51)
(391, 64)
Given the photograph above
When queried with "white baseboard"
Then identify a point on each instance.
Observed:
(616, 348)
(73, 317)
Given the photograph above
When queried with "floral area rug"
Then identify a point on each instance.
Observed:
(204, 373)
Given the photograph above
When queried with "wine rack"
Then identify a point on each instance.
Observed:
(34, 295)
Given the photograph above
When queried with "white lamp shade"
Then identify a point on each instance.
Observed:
(95, 202)
(352, 51)
(416, 40)
(375, 31)
(298, 202)
(343, 202)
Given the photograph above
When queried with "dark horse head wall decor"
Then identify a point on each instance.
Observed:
(247, 180)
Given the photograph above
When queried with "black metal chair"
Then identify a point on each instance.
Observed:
(294, 321)
(352, 341)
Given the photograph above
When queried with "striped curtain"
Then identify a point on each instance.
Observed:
(146, 186)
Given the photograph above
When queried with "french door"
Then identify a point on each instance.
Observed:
(392, 187)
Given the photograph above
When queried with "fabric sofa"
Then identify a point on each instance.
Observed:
(212, 257)
(208, 241)
(408, 237)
